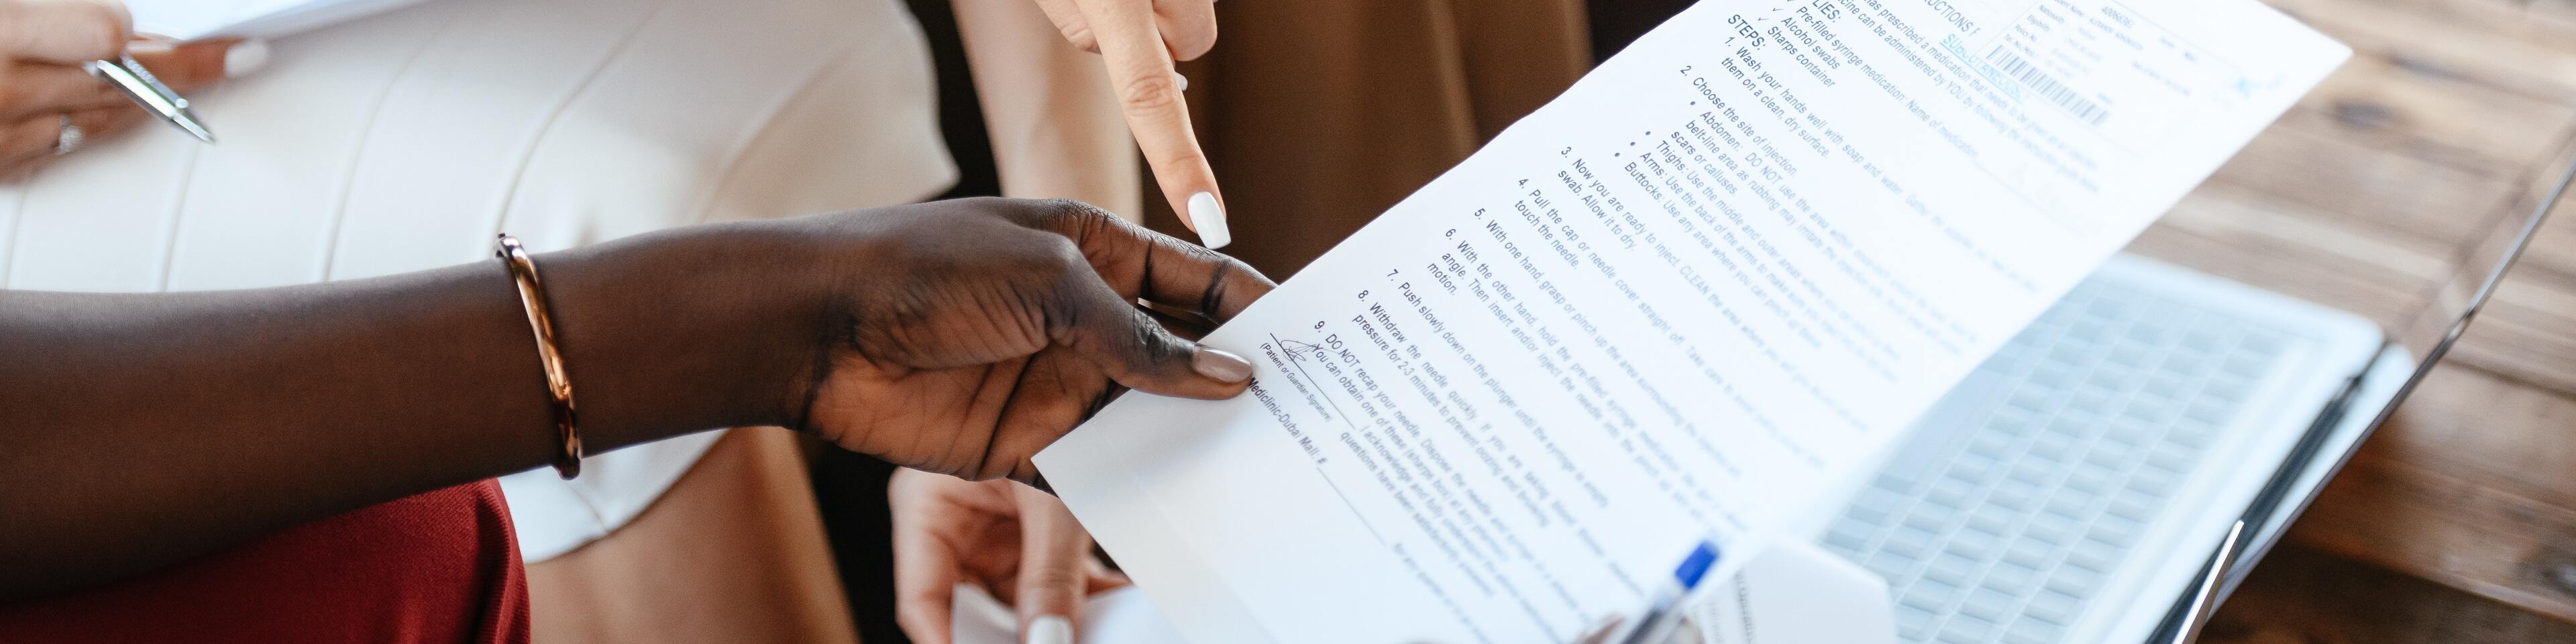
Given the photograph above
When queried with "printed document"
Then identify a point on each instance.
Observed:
(1693, 298)
(1794, 593)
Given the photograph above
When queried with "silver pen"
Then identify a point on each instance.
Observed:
(148, 92)
(2205, 601)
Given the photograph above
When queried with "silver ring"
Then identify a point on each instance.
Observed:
(69, 138)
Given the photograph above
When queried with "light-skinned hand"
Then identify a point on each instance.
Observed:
(43, 86)
(1139, 40)
(1020, 544)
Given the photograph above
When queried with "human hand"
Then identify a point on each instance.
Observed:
(1139, 40)
(970, 334)
(1019, 543)
(49, 104)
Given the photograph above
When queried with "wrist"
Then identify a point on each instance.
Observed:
(682, 331)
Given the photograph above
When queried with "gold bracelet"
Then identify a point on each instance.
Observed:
(532, 296)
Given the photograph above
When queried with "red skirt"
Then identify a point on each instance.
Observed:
(438, 567)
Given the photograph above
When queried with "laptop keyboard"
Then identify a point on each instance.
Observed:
(2025, 488)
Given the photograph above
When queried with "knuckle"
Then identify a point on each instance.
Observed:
(1231, 287)
(1072, 209)
(1155, 344)
(1055, 579)
(1164, 356)
(1042, 214)
(1080, 220)
(1063, 259)
(1151, 92)
(1083, 217)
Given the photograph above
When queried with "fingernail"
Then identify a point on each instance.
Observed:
(1221, 366)
(1181, 81)
(245, 57)
(1050, 629)
(1209, 219)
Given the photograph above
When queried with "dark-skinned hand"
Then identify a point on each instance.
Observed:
(976, 332)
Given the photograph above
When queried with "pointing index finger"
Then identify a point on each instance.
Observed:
(1149, 91)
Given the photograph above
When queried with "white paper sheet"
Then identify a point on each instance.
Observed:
(1794, 593)
(1684, 300)
(200, 19)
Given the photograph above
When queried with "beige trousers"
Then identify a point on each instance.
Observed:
(733, 552)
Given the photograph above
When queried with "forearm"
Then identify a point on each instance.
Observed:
(142, 429)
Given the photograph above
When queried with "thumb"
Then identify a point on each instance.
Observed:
(188, 67)
(1135, 350)
(1055, 567)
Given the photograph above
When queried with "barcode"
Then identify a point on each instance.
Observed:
(2083, 108)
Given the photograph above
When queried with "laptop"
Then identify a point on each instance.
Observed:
(2073, 488)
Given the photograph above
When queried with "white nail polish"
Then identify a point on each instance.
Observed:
(1181, 80)
(245, 57)
(1209, 219)
(1050, 629)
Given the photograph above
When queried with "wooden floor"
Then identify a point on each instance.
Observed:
(2458, 522)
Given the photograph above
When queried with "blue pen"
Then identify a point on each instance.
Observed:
(1663, 612)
